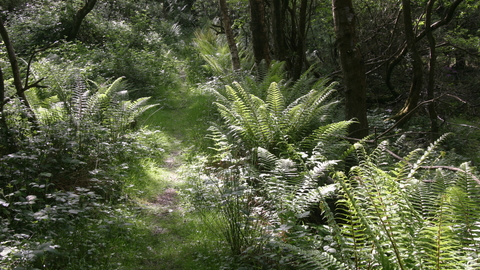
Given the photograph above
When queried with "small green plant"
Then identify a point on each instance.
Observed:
(66, 174)
(269, 165)
(270, 123)
(214, 50)
(401, 217)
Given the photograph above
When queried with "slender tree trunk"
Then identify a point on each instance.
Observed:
(278, 10)
(431, 72)
(258, 25)
(302, 32)
(352, 65)
(77, 20)
(3, 123)
(4, 131)
(232, 45)
(7, 144)
(17, 81)
(417, 67)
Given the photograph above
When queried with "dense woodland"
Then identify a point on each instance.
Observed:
(239, 134)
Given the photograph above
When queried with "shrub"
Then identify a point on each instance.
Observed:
(65, 173)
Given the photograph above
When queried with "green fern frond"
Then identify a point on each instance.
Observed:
(275, 101)
(313, 259)
(79, 106)
(214, 50)
(114, 87)
(221, 143)
(267, 122)
(426, 154)
(262, 70)
(303, 85)
(355, 213)
(464, 199)
(354, 238)
(302, 111)
(381, 205)
(397, 219)
(439, 247)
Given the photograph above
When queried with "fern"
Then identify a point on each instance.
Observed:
(214, 50)
(405, 218)
(107, 106)
(438, 244)
(269, 123)
(313, 259)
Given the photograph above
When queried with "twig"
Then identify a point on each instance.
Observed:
(416, 108)
(408, 114)
(30, 63)
(431, 167)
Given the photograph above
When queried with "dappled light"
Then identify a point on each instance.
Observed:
(249, 134)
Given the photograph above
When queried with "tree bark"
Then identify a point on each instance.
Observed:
(352, 65)
(77, 20)
(232, 45)
(302, 32)
(3, 123)
(431, 72)
(7, 144)
(417, 67)
(278, 29)
(17, 81)
(414, 93)
(258, 25)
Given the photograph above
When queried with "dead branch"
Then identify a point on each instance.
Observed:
(432, 167)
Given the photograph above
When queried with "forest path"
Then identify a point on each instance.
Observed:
(179, 241)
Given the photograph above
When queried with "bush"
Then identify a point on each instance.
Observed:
(65, 173)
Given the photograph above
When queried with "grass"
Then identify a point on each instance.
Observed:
(147, 226)
(184, 119)
(165, 234)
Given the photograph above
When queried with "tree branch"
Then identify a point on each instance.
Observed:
(17, 81)
(431, 167)
(403, 50)
(407, 115)
(79, 16)
(30, 63)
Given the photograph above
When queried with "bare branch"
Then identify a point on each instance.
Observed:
(431, 167)
(31, 59)
(17, 81)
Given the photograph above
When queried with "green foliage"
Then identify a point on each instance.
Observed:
(228, 203)
(265, 176)
(214, 50)
(270, 123)
(259, 206)
(65, 173)
(274, 155)
(403, 218)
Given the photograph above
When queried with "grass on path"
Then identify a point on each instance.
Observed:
(167, 234)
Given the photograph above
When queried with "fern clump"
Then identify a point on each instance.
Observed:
(106, 106)
(271, 123)
(404, 216)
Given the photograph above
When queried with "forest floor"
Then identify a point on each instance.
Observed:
(177, 237)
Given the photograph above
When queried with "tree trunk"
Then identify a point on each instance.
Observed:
(352, 65)
(258, 25)
(7, 144)
(278, 29)
(77, 20)
(3, 123)
(431, 72)
(232, 45)
(417, 67)
(302, 32)
(17, 81)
